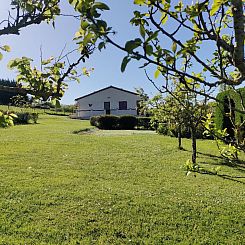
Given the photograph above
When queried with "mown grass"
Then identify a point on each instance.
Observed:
(63, 188)
(51, 111)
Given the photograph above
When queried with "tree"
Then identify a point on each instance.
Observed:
(47, 83)
(180, 110)
(173, 37)
(5, 97)
(144, 98)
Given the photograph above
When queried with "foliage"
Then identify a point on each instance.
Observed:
(191, 167)
(127, 122)
(178, 113)
(238, 97)
(228, 150)
(4, 48)
(144, 123)
(143, 100)
(227, 126)
(107, 122)
(44, 84)
(49, 82)
(67, 108)
(162, 128)
(93, 121)
(204, 21)
(109, 189)
(5, 97)
(25, 117)
(7, 119)
(124, 122)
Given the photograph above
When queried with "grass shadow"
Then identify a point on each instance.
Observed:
(236, 164)
(83, 131)
(224, 176)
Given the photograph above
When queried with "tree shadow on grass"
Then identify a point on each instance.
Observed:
(210, 155)
(238, 165)
(237, 179)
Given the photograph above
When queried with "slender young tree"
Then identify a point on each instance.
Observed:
(195, 42)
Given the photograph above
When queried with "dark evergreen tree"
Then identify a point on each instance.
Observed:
(5, 97)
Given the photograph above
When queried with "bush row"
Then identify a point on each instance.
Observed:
(110, 122)
(127, 122)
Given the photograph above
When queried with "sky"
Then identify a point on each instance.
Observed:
(106, 64)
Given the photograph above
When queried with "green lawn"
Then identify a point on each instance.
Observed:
(113, 188)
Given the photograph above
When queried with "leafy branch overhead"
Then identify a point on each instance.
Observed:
(47, 83)
(173, 35)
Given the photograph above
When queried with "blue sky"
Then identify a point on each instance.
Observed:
(106, 63)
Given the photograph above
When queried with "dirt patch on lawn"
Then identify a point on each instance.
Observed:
(99, 132)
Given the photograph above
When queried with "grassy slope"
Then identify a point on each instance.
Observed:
(62, 188)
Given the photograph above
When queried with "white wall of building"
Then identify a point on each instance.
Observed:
(93, 105)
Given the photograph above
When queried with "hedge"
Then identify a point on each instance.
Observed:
(144, 123)
(125, 122)
(107, 122)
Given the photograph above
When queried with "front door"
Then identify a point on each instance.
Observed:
(107, 108)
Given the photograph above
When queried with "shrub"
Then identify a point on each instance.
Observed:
(107, 122)
(22, 118)
(144, 123)
(34, 117)
(25, 117)
(94, 121)
(6, 119)
(127, 122)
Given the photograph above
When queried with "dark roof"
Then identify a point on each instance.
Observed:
(95, 92)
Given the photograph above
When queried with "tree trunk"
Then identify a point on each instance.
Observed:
(194, 144)
(179, 138)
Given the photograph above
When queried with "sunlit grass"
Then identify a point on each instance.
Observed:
(58, 187)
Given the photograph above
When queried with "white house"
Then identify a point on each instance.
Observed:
(109, 100)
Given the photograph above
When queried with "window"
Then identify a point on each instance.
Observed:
(122, 105)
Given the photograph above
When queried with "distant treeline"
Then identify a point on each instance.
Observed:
(5, 97)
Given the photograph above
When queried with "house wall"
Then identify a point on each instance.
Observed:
(93, 105)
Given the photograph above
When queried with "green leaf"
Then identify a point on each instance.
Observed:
(142, 31)
(174, 47)
(164, 18)
(1, 56)
(125, 61)
(157, 73)
(153, 36)
(149, 49)
(13, 115)
(139, 2)
(133, 44)
(6, 48)
(101, 6)
(216, 5)
(101, 46)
